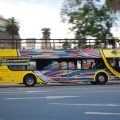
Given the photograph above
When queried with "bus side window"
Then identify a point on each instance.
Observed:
(116, 64)
(119, 63)
(32, 65)
(85, 64)
(99, 64)
(64, 65)
(18, 67)
(88, 64)
(47, 64)
(79, 64)
(112, 62)
(72, 64)
(68, 64)
(55, 65)
(42, 64)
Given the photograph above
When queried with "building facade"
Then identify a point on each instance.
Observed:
(45, 44)
(30, 43)
(6, 41)
(114, 4)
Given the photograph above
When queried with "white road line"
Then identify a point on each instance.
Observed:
(96, 105)
(23, 92)
(10, 92)
(47, 97)
(101, 113)
(35, 91)
(24, 98)
(88, 92)
(59, 97)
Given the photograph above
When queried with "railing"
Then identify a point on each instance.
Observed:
(57, 43)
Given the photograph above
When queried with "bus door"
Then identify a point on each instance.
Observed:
(87, 68)
(55, 71)
(69, 71)
(48, 70)
(64, 70)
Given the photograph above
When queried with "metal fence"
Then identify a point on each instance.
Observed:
(57, 43)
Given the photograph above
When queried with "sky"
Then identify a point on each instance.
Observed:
(33, 15)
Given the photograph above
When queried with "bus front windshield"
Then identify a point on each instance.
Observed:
(115, 63)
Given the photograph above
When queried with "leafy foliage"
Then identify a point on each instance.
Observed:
(46, 36)
(12, 27)
(46, 33)
(66, 44)
(89, 19)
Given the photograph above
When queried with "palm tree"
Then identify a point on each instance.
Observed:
(12, 27)
(46, 36)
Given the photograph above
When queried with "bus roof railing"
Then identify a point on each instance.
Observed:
(56, 43)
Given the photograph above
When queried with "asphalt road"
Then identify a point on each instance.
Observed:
(56, 102)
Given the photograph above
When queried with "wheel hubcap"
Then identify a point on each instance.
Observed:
(101, 78)
(30, 81)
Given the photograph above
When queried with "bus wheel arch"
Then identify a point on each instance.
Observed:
(101, 78)
(29, 80)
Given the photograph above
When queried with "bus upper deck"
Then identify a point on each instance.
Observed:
(41, 53)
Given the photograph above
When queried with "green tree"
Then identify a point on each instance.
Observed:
(46, 33)
(66, 44)
(88, 19)
(12, 27)
(46, 36)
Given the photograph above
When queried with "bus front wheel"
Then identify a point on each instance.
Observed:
(29, 80)
(101, 78)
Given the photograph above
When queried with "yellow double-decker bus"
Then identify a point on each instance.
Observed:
(30, 67)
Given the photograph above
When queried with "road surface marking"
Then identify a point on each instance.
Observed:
(58, 97)
(23, 92)
(47, 97)
(97, 105)
(38, 91)
(10, 92)
(101, 113)
(24, 98)
(35, 91)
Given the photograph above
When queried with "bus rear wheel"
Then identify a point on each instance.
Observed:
(101, 78)
(29, 80)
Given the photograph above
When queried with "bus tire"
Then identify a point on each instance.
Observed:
(101, 78)
(29, 80)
